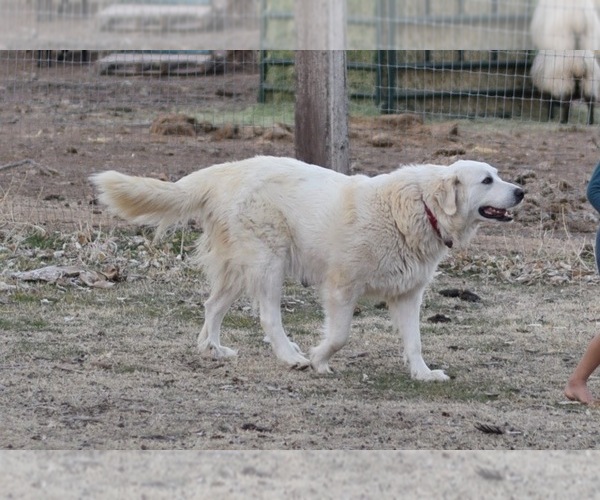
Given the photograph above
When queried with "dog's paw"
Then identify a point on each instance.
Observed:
(216, 351)
(221, 352)
(319, 359)
(431, 376)
(322, 368)
(289, 353)
(291, 347)
(296, 361)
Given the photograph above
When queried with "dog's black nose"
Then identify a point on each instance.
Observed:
(519, 194)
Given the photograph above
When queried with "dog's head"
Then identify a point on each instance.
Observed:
(474, 191)
(467, 193)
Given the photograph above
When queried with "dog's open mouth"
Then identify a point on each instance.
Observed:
(499, 214)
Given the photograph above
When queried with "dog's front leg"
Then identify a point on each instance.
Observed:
(405, 312)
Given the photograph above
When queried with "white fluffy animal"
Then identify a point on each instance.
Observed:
(566, 75)
(566, 32)
(556, 72)
(265, 218)
(565, 25)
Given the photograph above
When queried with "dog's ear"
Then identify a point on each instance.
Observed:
(445, 194)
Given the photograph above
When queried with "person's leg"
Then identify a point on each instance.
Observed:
(576, 388)
(597, 250)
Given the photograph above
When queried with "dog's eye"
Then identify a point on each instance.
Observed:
(487, 180)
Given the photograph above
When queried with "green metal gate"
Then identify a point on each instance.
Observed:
(461, 83)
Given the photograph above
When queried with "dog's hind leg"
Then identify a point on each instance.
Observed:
(339, 309)
(215, 309)
(269, 298)
(405, 317)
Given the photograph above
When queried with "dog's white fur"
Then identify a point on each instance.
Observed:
(265, 218)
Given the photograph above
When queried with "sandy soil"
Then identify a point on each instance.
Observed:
(295, 475)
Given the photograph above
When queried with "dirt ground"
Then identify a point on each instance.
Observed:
(297, 475)
(110, 362)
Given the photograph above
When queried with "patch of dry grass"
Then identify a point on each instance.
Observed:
(118, 367)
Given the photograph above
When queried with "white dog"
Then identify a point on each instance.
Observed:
(265, 218)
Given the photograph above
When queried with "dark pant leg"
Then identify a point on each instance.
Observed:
(597, 251)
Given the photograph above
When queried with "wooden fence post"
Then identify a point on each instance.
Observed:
(321, 116)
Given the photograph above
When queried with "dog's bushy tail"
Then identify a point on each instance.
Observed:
(142, 200)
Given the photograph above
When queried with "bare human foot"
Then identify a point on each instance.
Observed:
(578, 391)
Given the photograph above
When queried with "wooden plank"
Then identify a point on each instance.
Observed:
(149, 63)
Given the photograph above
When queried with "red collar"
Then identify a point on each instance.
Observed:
(434, 224)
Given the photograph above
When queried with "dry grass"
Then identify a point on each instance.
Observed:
(118, 368)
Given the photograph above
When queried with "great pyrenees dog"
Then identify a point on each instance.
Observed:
(266, 218)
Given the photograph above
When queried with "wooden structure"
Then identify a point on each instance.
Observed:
(321, 95)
